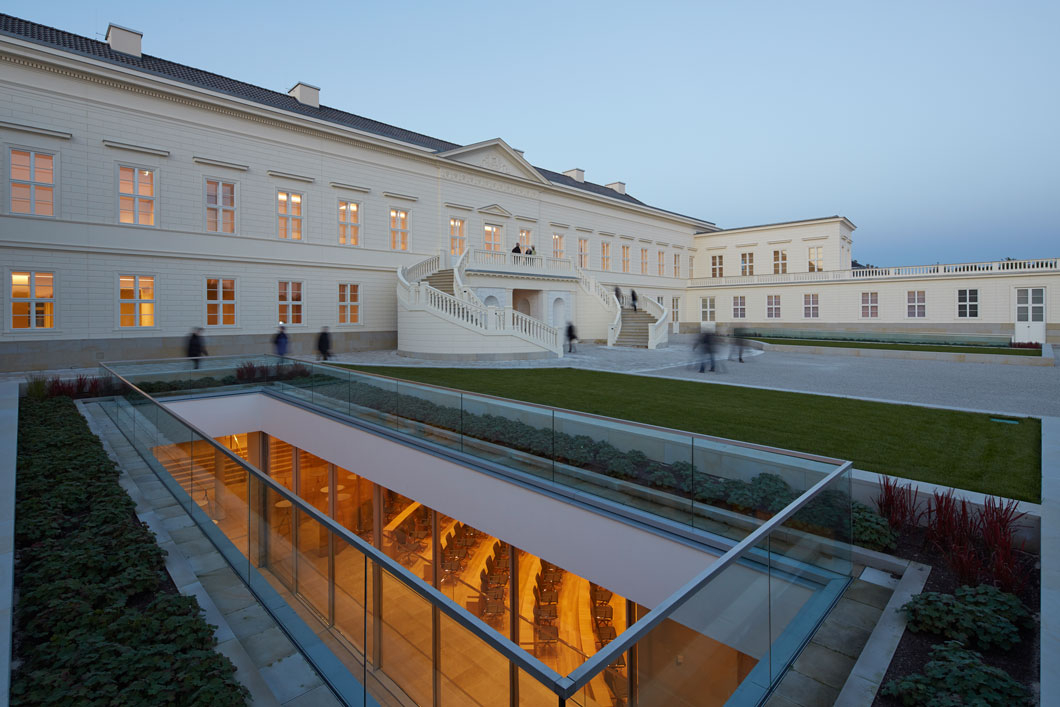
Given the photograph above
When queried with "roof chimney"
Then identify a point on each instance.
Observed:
(124, 40)
(306, 94)
(620, 187)
(576, 174)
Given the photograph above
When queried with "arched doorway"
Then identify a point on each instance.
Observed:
(559, 312)
(491, 301)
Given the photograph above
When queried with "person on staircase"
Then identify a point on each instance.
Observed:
(618, 296)
(633, 299)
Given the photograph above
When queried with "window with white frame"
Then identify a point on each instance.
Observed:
(916, 304)
(289, 302)
(811, 306)
(605, 256)
(815, 257)
(780, 262)
(32, 300)
(524, 239)
(557, 245)
(399, 229)
(492, 237)
(32, 182)
(739, 307)
(136, 300)
(967, 304)
(691, 266)
(349, 222)
(220, 301)
(220, 206)
(747, 263)
(349, 303)
(457, 236)
(675, 309)
(772, 306)
(717, 266)
(583, 252)
(660, 299)
(870, 305)
(625, 258)
(707, 313)
(289, 210)
(677, 265)
(643, 261)
(136, 195)
(662, 263)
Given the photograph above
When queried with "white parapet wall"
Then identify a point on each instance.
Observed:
(422, 334)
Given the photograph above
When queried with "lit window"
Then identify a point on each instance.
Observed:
(457, 236)
(739, 307)
(290, 302)
(32, 300)
(524, 239)
(349, 303)
(220, 206)
(870, 305)
(916, 304)
(493, 237)
(677, 265)
(717, 263)
(747, 263)
(289, 205)
(643, 261)
(32, 183)
(675, 309)
(136, 300)
(349, 223)
(557, 245)
(136, 196)
(605, 256)
(968, 304)
(707, 312)
(780, 262)
(816, 259)
(583, 252)
(625, 258)
(772, 306)
(811, 307)
(220, 301)
(399, 229)
(662, 263)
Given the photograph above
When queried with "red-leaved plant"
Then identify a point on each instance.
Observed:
(898, 503)
(950, 522)
(1003, 563)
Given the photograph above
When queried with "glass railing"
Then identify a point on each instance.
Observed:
(375, 631)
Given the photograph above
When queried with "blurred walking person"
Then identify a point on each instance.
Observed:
(279, 341)
(572, 337)
(196, 346)
(705, 345)
(323, 344)
(618, 296)
(736, 347)
(633, 299)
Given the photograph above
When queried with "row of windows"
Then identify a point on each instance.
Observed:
(814, 262)
(916, 305)
(33, 297)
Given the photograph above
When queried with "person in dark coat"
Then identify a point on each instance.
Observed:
(517, 250)
(280, 342)
(196, 346)
(572, 336)
(324, 344)
(706, 345)
(618, 295)
(633, 299)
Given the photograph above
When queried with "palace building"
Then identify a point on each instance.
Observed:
(143, 198)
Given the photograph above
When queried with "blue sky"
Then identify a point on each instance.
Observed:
(933, 126)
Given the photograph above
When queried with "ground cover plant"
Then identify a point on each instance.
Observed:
(947, 447)
(1013, 350)
(97, 621)
(954, 676)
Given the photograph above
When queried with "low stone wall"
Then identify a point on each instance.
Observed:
(1013, 360)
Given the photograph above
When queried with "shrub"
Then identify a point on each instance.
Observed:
(950, 523)
(663, 478)
(982, 615)
(957, 676)
(620, 467)
(770, 492)
(37, 387)
(872, 530)
(897, 503)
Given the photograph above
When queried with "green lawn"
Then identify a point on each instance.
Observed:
(1010, 351)
(965, 450)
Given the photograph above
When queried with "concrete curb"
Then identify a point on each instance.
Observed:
(8, 461)
(1042, 360)
(867, 674)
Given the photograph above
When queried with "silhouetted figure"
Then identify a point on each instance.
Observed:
(736, 346)
(279, 342)
(196, 346)
(633, 299)
(572, 336)
(324, 344)
(530, 250)
(517, 250)
(706, 346)
(618, 296)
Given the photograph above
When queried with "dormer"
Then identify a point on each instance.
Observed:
(124, 40)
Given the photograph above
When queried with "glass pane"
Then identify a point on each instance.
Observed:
(228, 195)
(20, 199)
(228, 288)
(279, 538)
(406, 650)
(281, 200)
(127, 314)
(350, 593)
(42, 169)
(281, 227)
(431, 413)
(296, 229)
(211, 193)
(211, 315)
(1022, 296)
(1037, 296)
(353, 504)
(296, 314)
(211, 219)
(228, 314)
(20, 315)
(20, 284)
(472, 672)
(147, 287)
(533, 693)
(513, 434)
(147, 183)
(20, 168)
(147, 314)
(125, 210)
(147, 212)
(312, 558)
(44, 316)
(229, 221)
(296, 204)
(126, 180)
(296, 292)
(42, 201)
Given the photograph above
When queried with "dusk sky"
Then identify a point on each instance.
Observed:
(932, 126)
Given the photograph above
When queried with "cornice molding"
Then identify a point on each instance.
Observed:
(135, 148)
(220, 163)
(395, 195)
(36, 130)
(350, 187)
(528, 219)
(287, 175)
(460, 207)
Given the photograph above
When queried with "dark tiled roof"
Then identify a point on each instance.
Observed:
(42, 34)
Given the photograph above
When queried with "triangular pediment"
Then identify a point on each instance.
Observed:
(497, 156)
(496, 210)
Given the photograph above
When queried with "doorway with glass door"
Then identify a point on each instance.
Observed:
(1030, 315)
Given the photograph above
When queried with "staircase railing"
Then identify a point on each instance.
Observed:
(460, 288)
(519, 262)
(607, 298)
(422, 269)
(658, 332)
